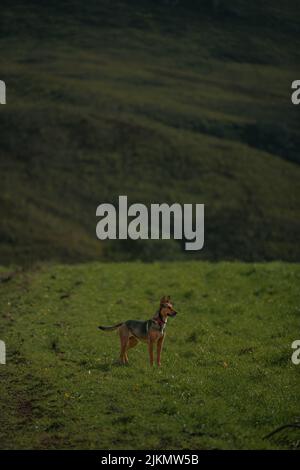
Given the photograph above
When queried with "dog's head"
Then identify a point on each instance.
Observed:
(166, 307)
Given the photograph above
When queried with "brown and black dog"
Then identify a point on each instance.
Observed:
(150, 331)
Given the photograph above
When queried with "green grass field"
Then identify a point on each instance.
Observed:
(226, 379)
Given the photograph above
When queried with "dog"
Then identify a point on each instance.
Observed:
(149, 331)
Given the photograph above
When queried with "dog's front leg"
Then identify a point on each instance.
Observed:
(160, 343)
(150, 348)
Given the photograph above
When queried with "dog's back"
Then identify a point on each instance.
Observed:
(138, 328)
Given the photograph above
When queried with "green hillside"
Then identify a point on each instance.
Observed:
(226, 381)
(162, 101)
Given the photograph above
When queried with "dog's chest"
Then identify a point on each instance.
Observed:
(155, 335)
(157, 331)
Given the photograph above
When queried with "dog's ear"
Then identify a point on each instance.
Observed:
(168, 298)
(163, 300)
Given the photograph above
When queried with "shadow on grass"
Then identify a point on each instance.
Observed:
(108, 366)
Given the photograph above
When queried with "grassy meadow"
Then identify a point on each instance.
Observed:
(226, 379)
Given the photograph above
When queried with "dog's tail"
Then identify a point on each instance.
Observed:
(110, 328)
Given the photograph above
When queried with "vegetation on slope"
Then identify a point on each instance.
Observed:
(162, 101)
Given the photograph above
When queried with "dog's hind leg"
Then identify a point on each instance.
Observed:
(124, 337)
(123, 355)
(132, 342)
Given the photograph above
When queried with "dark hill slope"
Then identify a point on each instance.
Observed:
(162, 101)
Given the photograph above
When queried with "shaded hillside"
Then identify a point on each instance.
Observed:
(161, 101)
